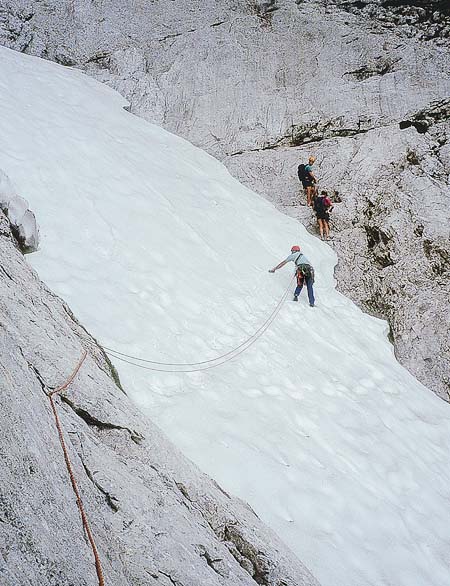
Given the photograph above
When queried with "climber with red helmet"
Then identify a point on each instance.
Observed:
(304, 272)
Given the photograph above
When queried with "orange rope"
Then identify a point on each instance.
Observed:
(98, 567)
(71, 377)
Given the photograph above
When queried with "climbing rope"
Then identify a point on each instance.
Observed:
(205, 364)
(84, 518)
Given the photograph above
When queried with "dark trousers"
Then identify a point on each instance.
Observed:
(309, 287)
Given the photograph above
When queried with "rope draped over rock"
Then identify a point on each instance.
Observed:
(193, 367)
(84, 519)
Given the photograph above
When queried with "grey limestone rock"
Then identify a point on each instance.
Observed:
(259, 84)
(155, 517)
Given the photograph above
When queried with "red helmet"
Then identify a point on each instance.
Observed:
(295, 248)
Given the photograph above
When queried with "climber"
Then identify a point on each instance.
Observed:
(308, 180)
(323, 207)
(304, 272)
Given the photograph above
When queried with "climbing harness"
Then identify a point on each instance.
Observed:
(205, 364)
(83, 515)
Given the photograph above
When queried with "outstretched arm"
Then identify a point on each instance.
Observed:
(278, 266)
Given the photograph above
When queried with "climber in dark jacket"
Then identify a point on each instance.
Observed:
(323, 207)
(308, 179)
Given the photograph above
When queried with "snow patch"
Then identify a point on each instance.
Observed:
(162, 254)
(21, 218)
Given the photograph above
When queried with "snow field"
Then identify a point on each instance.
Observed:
(161, 254)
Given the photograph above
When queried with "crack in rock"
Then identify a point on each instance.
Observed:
(300, 134)
(216, 564)
(263, 9)
(36, 372)
(423, 120)
(309, 132)
(82, 413)
(253, 561)
(181, 487)
(240, 548)
(380, 67)
(173, 581)
(5, 272)
(190, 31)
(101, 58)
(111, 500)
(378, 245)
(94, 422)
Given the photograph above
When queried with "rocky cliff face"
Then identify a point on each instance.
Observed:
(261, 84)
(156, 519)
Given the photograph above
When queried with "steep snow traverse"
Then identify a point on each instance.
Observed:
(164, 256)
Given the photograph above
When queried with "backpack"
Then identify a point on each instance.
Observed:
(302, 173)
(306, 270)
(319, 205)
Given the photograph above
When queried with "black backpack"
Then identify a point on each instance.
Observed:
(306, 270)
(302, 173)
(319, 205)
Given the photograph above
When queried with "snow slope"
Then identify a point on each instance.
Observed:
(163, 255)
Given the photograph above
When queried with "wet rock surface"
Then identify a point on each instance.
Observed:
(155, 517)
(260, 84)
